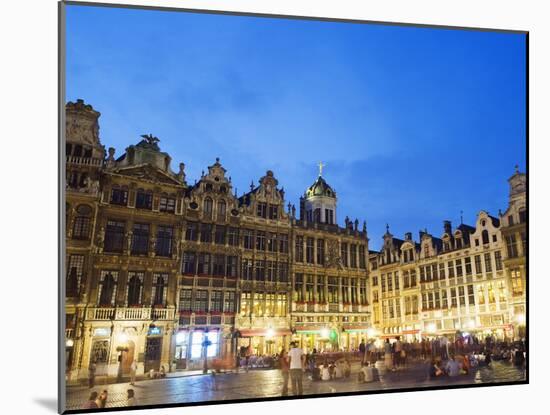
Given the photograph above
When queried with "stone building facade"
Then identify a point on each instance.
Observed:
(165, 273)
(471, 279)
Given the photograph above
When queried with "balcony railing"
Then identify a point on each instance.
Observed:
(130, 313)
(84, 161)
(69, 333)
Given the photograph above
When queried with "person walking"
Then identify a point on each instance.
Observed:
(131, 398)
(285, 367)
(91, 375)
(91, 403)
(362, 350)
(398, 349)
(102, 399)
(133, 370)
(388, 357)
(296, 356)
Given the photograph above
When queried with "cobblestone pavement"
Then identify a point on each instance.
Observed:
(267, 383)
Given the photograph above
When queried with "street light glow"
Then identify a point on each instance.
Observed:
(520, 318)
(431, 328)
(325, 332)
(270, 333)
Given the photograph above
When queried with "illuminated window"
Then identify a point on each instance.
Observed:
(246, 303)
(480, 294)
(517, 282)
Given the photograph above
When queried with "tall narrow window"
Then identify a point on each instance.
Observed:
(229, 302)
(164, 241)
(218, 265)
(272, 242)
(488, 264)
(191, 231)
(299, 249)
(233, 236)
(248, 239)
(114, 236)
(260, 270)
(362, 257)
(485, 237)
(261, 210)
(207, 208)
(273, 212)
(140, 239)
(216, 301)
(134, 288)
(477, 262)
(107, 288)
(81, 228)
(160, 284)
(204, 264)
(206, 232)
(309, 250)
(260, 241)
(320, 251)
(344, 253)
(297, 291)
(353, 255)
(321, 289)
(74, 275)
(498, 261)
(468, 264)
(231, 267)
(185, 300)
(283, 243)
(189, 262)
(219, 235)
(511, 246)
(222, 210)
(332, 290)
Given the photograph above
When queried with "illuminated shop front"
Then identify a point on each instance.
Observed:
(190, 346)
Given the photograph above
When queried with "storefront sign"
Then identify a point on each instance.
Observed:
(155, 331)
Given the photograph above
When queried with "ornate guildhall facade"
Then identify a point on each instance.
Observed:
(165, 273)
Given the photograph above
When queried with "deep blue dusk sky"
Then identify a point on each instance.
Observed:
(414, 124)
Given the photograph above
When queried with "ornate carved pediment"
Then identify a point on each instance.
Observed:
(149, 173)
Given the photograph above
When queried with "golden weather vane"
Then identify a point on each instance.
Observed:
(321, 165)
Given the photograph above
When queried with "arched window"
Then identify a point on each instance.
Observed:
(208, 208)
(135, 287)
(222, 207)
(160, 282)
(485, 236)
(81, 228)
(107, 289)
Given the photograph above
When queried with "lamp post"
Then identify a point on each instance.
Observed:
(205, 343)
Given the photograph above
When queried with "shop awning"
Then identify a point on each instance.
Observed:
(264, 332)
